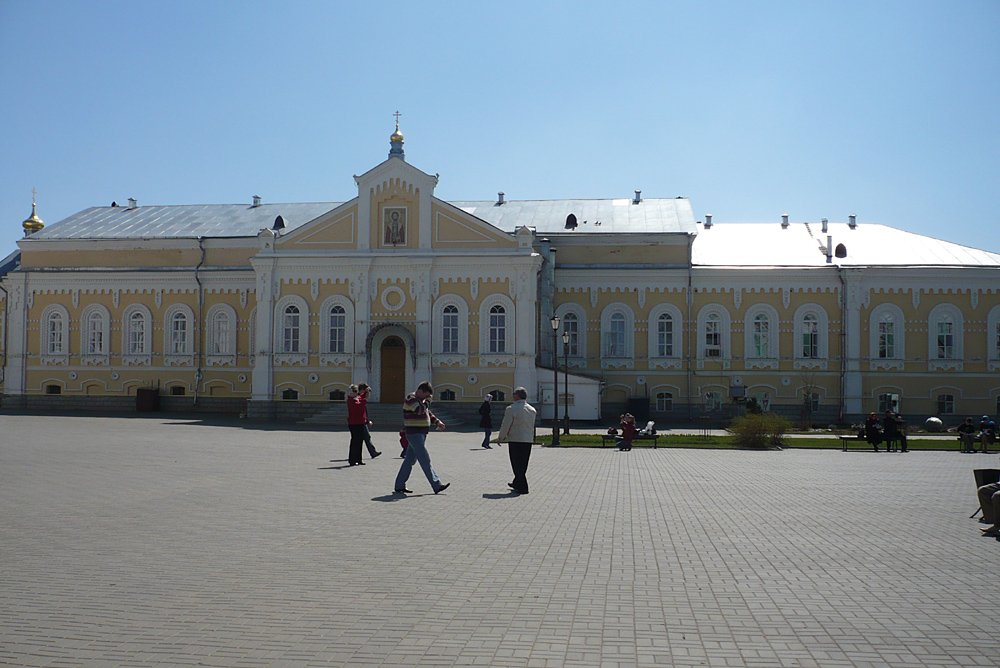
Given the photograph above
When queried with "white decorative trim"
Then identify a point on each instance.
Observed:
(578, 362)
(391, 292)
(178, 360)
(94, 360)
(808, 363)
(875, 364)
(496, 360)
(664, 363)
(451, 360)
(761, 363)
(220, 360)
(61, 359)
(617, 363)
(330, 359)
(945, 365)
(290, 359)
(136, 360)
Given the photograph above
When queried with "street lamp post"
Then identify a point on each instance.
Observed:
(565, 338)
(555, 382)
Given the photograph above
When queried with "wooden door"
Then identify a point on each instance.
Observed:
(392, 384)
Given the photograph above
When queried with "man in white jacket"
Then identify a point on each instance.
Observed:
(518, 430)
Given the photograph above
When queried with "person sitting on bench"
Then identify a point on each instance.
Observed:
(967, 435)
(628, 432)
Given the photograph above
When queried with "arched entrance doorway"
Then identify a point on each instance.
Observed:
(392, 379)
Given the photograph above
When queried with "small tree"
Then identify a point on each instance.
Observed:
(759, 431)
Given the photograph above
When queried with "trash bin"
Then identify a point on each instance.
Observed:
(147, 400)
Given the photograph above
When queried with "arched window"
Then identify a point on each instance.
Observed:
(761, 336)
(56, 324)
(94, 333)
(337, 339)
(615, 344)
(291, 329)
(571, 325)
(221, 333)
(713, 335)
(498, 329)
(449, 329)
(135, 334)
(665, 335)
(447, 395)
(664, 402)
(178, 334)
(945, 337)
(810, 336)
(498, 395)
(993, 338)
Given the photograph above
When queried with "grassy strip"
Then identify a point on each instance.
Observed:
(729, 442)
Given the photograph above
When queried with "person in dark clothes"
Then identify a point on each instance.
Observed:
(486, 420)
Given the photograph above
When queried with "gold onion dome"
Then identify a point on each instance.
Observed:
(33, 223)
(396, 136)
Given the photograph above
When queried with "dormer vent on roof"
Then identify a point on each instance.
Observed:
(279, 223)
(784, 221)
(256, 201)
(852, 221)
(571, 222)
(133, 203)
(638, 197)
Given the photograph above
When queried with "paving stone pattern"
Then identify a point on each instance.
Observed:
(157, 541)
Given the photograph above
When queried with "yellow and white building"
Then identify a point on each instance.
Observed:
(277, 308)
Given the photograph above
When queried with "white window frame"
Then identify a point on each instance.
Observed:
(282, 355)
(674, 359)
(945, 403)
(328, 356)
(577, 339)
(220, 347)
(663, 400)
(55, 344)
(892, 314)
(821, 358)
(173, 354)
(94, 313)
(137, 315)
(460, 355)
(720, 314)
(486, 357)
(769, 358)
(940, 314)
(621, 356)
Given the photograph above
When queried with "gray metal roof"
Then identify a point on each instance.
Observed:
(10, 263)
(191, 220)
(605, 216)
(803, 245)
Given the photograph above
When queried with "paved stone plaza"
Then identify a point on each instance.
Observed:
(133, 542)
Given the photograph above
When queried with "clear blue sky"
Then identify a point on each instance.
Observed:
(887, 109)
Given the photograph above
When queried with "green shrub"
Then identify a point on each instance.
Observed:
(759, 431)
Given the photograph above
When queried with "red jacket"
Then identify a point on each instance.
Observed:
(357, 410)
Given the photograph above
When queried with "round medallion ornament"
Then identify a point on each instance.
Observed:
(393, 298)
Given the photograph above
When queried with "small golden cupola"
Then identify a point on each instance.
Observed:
(396, 141)
(32, 223)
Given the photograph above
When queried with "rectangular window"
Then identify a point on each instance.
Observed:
(220, 334)
(338, 332)
(945, 340)
(55, 336)
(449, 334)
(178, 336)
(888, 402)
(290, 338)
(665, 337)
(664, 402)
(810, 341)
(616, 338)
(137, 335)
(946, 404)
(573, 327)
(713, 401)
(886, 340)
(498, 333)
(95, 340)
(713, 339)
(761, 344)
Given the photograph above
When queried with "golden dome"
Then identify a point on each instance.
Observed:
(32, 223)
(396, 136)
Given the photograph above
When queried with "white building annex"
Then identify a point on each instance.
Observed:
(275, 309)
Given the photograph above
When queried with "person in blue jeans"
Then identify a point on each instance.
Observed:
(417, 421)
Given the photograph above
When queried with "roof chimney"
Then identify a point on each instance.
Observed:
(784, 221)
(852, 221)
(825, 223)
(638, 197)
(829, 246)
(256, 201)
(708, 221)
(133, 203)
(500, 199)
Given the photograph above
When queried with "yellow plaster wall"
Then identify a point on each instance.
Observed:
(337, 229)
(162, 257)
(453, 228)
(604, 253)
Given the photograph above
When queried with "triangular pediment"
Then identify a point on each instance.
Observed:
(334, 229)
(454, 228)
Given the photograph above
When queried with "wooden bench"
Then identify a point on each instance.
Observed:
(847, 441)
(613, 438)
